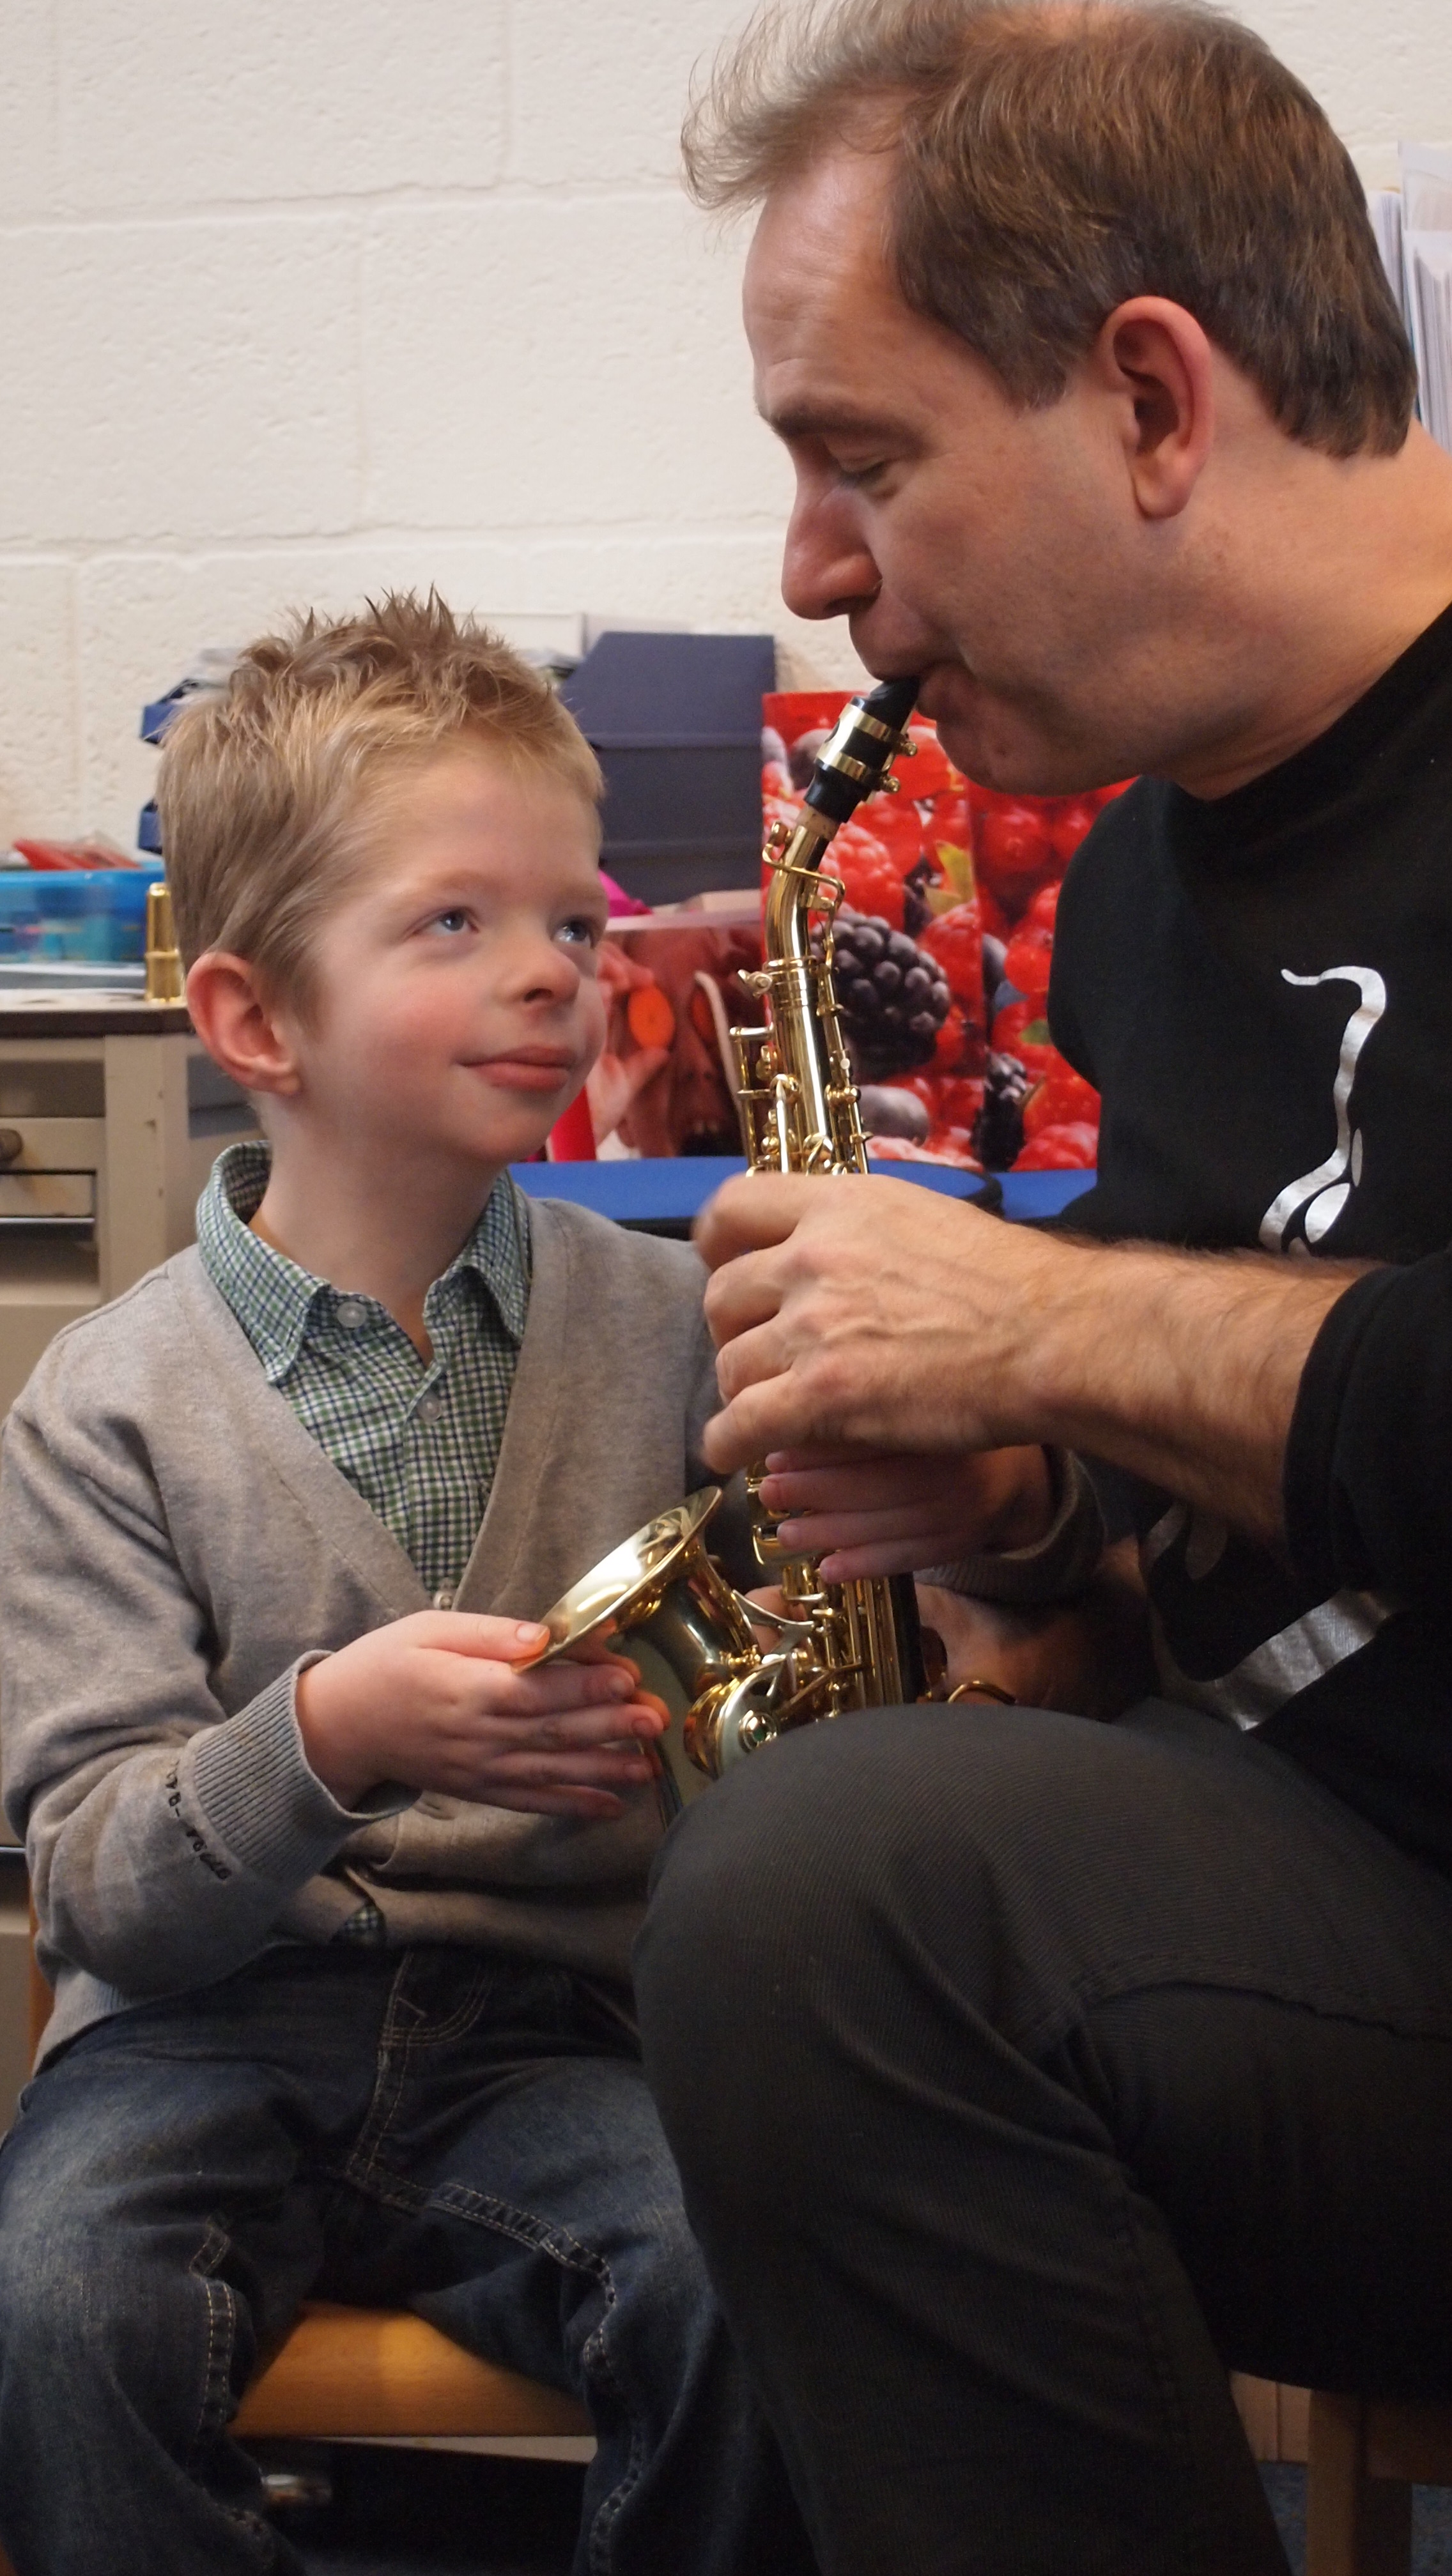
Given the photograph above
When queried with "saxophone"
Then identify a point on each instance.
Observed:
(694, 1638)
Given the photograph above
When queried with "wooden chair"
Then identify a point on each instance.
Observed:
(375, 2374)
(1366, 2455)
(1363, 2457)
(1276, 2419)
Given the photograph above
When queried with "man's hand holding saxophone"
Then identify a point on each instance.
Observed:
(946, 1351)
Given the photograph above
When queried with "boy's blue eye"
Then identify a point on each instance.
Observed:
(453, 920)
(582, 930)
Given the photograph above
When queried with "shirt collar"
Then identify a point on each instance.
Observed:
(497, 1252)
(278, 1303)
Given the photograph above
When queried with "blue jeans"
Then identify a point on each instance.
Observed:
(467, 2137)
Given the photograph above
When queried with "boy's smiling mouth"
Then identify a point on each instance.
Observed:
(527, 1068)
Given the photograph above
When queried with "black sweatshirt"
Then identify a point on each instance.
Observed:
(1261, 987)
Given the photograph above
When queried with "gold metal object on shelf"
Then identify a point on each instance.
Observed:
(165, 980)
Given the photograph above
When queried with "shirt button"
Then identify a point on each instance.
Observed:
(444, 1600)
(352, 1314)
(430, 1406)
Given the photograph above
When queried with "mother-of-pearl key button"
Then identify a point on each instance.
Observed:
(352, 1313)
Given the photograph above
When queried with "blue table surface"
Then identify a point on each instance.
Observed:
(678, 1186)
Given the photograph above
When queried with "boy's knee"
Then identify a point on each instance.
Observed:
(664, 2272)
(55, 2287)
(84, 2290)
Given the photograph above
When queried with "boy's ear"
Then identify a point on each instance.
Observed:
(239, 1028)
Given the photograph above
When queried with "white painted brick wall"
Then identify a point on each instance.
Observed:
(315, 296)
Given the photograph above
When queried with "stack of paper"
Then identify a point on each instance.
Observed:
(1421, 241)
(1426, 186)
(1384, 206)
(1431, 284)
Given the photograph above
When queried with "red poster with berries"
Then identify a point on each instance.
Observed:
(942, 948)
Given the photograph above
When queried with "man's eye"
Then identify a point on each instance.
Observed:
(857, 477)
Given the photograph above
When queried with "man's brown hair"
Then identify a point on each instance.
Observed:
(1054, 158)
(262, 788)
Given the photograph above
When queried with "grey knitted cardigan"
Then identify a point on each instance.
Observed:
(173, 1545)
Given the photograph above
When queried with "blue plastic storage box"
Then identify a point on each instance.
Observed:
(92, 914)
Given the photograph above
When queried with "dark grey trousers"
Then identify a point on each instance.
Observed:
(1023, 2073)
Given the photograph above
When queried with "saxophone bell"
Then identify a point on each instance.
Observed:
(664, 1600)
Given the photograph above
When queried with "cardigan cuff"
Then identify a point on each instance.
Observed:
(1056, 1566)
(268, 1809)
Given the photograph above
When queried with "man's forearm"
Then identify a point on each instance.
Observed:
(862, 1314)
(1181, 1367)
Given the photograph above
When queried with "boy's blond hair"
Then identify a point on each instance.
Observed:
(260, 788)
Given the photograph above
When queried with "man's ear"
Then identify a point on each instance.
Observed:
(1156, 362)
(241, 1031)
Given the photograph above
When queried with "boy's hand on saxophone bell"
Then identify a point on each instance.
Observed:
(445, 1700)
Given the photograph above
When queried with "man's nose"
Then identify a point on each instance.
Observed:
(827, 566)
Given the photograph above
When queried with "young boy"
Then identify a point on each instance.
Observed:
(337, 1900)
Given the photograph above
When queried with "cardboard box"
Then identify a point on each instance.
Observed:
(676, 721)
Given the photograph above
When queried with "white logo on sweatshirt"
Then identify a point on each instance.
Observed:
(1318, 1198)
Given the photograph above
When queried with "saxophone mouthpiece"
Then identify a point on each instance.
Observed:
(855, 758)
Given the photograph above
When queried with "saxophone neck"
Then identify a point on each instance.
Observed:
(796, 1095)
(797, 889)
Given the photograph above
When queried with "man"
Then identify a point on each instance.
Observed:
(1025, 2072)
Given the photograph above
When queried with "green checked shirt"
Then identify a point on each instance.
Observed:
(418, 1439)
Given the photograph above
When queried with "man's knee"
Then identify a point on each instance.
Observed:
(730, 1889)
(899, 1802)
(772, 1898)
(903, 1877)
